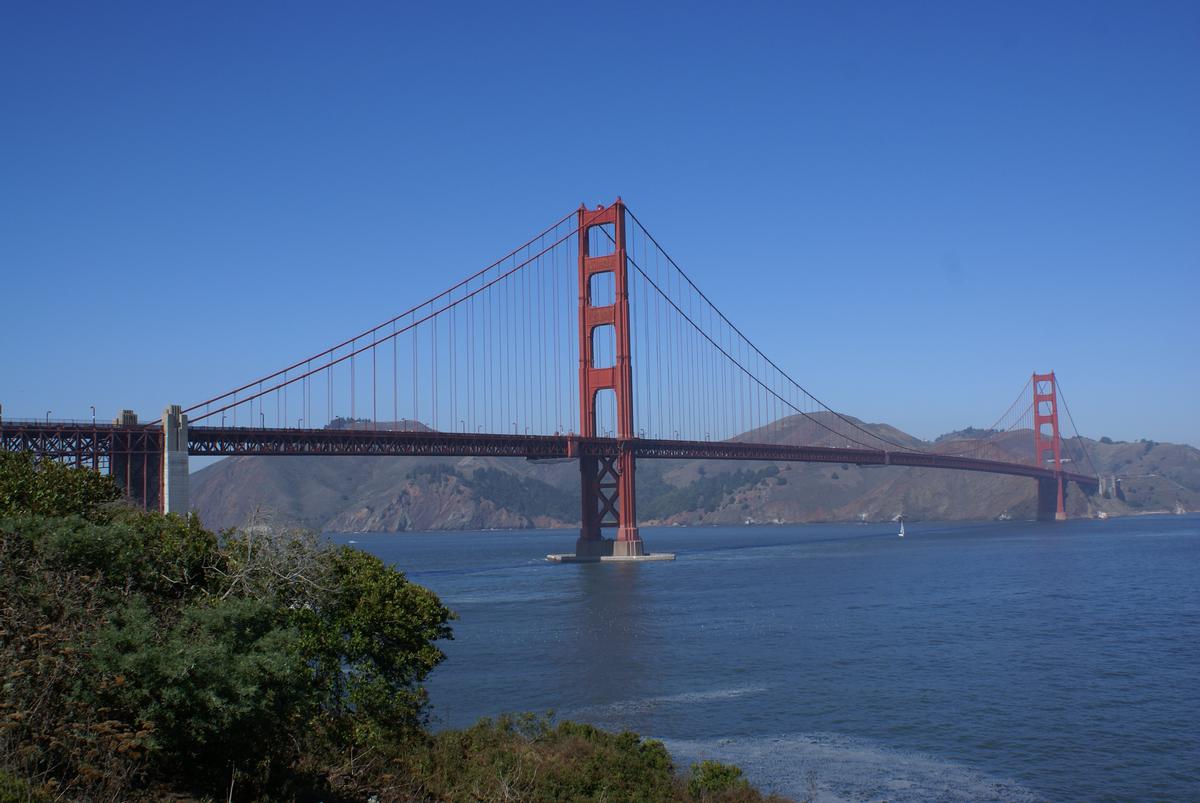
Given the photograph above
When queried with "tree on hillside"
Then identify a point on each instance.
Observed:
(139, 650)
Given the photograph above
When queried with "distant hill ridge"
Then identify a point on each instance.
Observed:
(391, 494)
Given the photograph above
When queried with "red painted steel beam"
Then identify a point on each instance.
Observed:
(68, 440)
(62, 440)
(215, 441)
(738, 450)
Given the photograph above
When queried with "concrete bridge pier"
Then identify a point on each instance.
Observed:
(1052, 492)
(176, 497)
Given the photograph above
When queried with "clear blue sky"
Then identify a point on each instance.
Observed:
(911, 206)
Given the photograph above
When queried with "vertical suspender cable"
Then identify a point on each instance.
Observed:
(395, 378)
(374, 396)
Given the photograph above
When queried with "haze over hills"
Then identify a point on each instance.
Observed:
(389, 494)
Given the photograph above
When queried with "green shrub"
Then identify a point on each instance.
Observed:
(370, 640)
(140, 653)
(14, 790)
(711, 778)
(169, 556)
(48, 488)
(223, 687)
(529, 758)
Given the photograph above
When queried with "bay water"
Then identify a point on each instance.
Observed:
(1003, 661)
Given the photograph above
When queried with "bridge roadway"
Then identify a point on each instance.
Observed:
(86, 444)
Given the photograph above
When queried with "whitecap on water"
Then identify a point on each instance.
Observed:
(503, 597)
(828, 768)
(622, 708)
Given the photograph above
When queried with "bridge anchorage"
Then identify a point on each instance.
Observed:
(587, 343)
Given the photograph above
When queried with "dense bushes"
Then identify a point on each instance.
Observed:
(143, 657)
(531, 759)
(140, 651)
(51, 489)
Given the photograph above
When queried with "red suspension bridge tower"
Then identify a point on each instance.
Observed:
(1047, 446)
(606, 482)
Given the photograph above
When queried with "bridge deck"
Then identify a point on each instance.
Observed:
(81, 442)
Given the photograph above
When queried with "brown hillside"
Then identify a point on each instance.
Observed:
(396, 494)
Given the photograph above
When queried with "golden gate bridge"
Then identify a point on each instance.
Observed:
(587, 342)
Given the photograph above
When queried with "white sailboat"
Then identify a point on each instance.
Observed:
(901, 533)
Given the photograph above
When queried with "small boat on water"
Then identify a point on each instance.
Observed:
(901, 533)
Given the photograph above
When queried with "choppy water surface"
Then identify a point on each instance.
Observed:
(965, 662)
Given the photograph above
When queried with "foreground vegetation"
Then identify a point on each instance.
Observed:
(143, 657)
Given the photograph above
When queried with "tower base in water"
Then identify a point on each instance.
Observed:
(606, 550)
